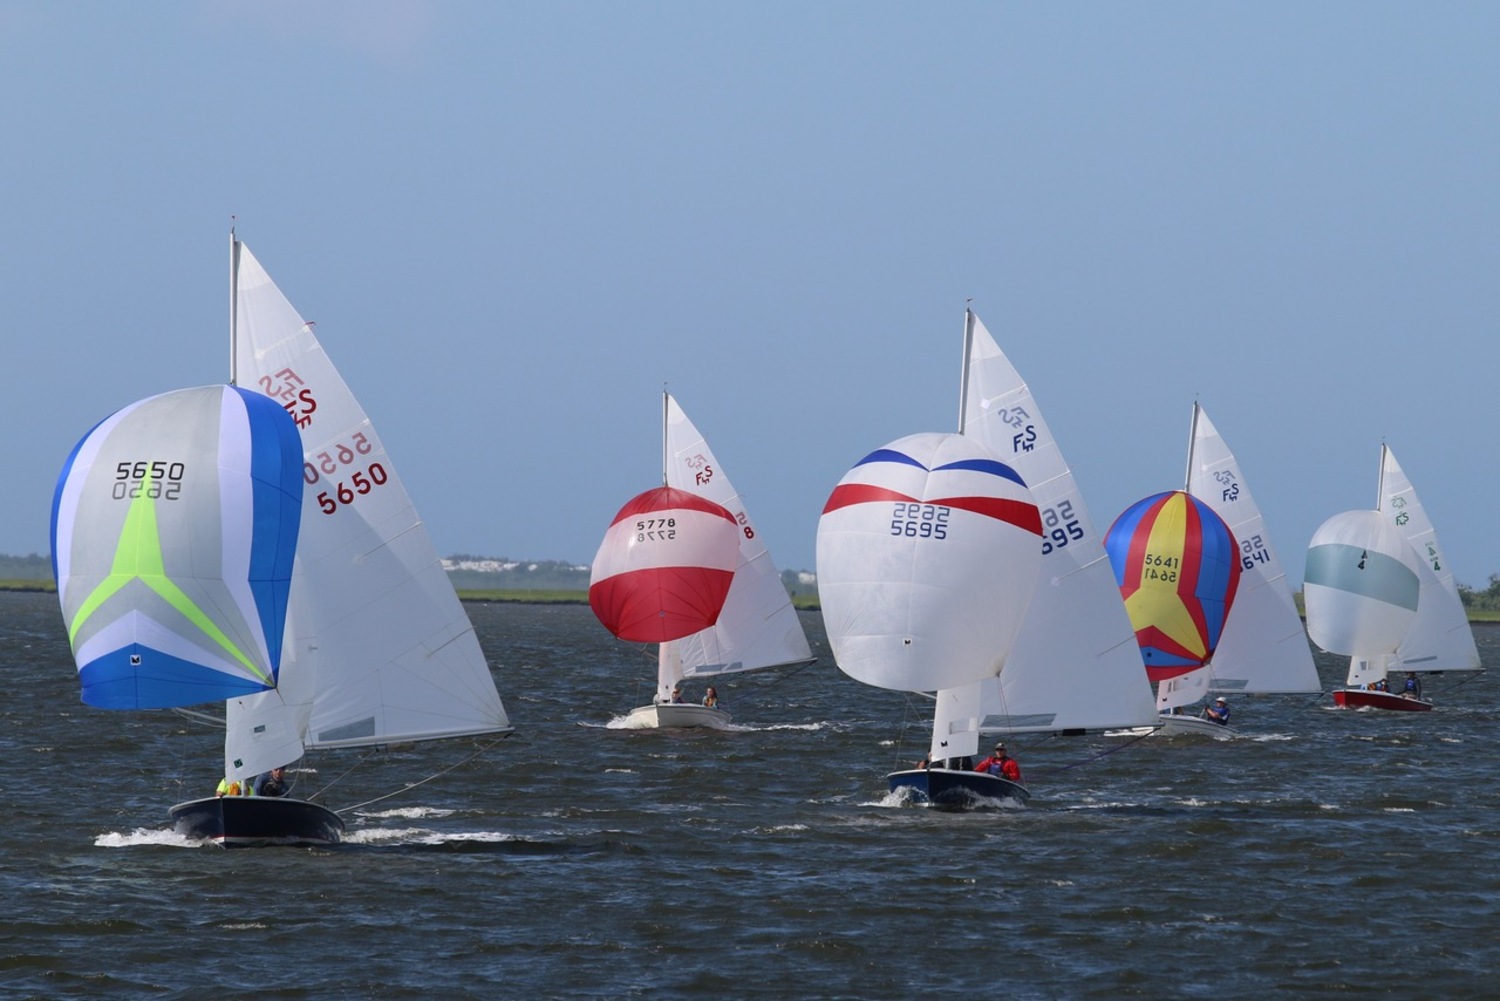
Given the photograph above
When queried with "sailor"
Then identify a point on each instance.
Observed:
(1001, 764)
(677, 694)
(272, 783)
(1218, 712)
(1412, 687)
(711, 698)
(227, 788)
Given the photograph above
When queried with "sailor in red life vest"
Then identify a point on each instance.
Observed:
(1001, 764)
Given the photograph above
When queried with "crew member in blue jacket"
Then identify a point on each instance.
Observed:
(1219, 711)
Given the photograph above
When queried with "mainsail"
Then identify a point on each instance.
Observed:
(1263, 648)
(758, 626)
(1075, 664)
(1440, 637)
(378, 647)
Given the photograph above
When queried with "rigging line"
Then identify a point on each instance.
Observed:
(1096, 757)
(339, 778)
(1316, 699)
(194, 716)
(412, 785)
(899, 751)
(1473, 676)
(746, 698)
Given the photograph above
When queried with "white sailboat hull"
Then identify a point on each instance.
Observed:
(672, 715)
(1177, 726)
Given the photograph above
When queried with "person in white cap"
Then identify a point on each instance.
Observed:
(1218, 711)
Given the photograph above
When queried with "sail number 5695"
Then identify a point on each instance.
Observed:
(916, 520)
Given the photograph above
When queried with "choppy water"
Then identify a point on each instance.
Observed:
(1327, 853)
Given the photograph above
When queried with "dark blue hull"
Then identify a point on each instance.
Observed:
(251, 821)
(955, 789)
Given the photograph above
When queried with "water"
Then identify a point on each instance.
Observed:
(1327, 852)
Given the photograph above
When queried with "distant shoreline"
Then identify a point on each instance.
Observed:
(514, 596)
(530, 596)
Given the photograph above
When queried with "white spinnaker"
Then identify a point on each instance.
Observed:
(378, 649)
(1440, 638)
(926, 564)
(1263, 648)
(1075, 663)
(1360, 585)
(758, 626)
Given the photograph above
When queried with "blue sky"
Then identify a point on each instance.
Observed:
(513, 222)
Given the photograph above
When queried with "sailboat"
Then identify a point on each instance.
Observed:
(1436, 636)
(1075, 667)
(378, 649)
(1263, 648)
(754, 626)
(927, 556)
(1178, 568)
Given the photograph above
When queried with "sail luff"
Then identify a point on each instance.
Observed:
(234, 319)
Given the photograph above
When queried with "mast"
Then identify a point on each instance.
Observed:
(664, 399)
(963, 371)
(234, 292)
(1187, 479)
(1380, 480)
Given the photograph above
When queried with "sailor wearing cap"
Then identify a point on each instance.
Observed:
(1001, 764)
